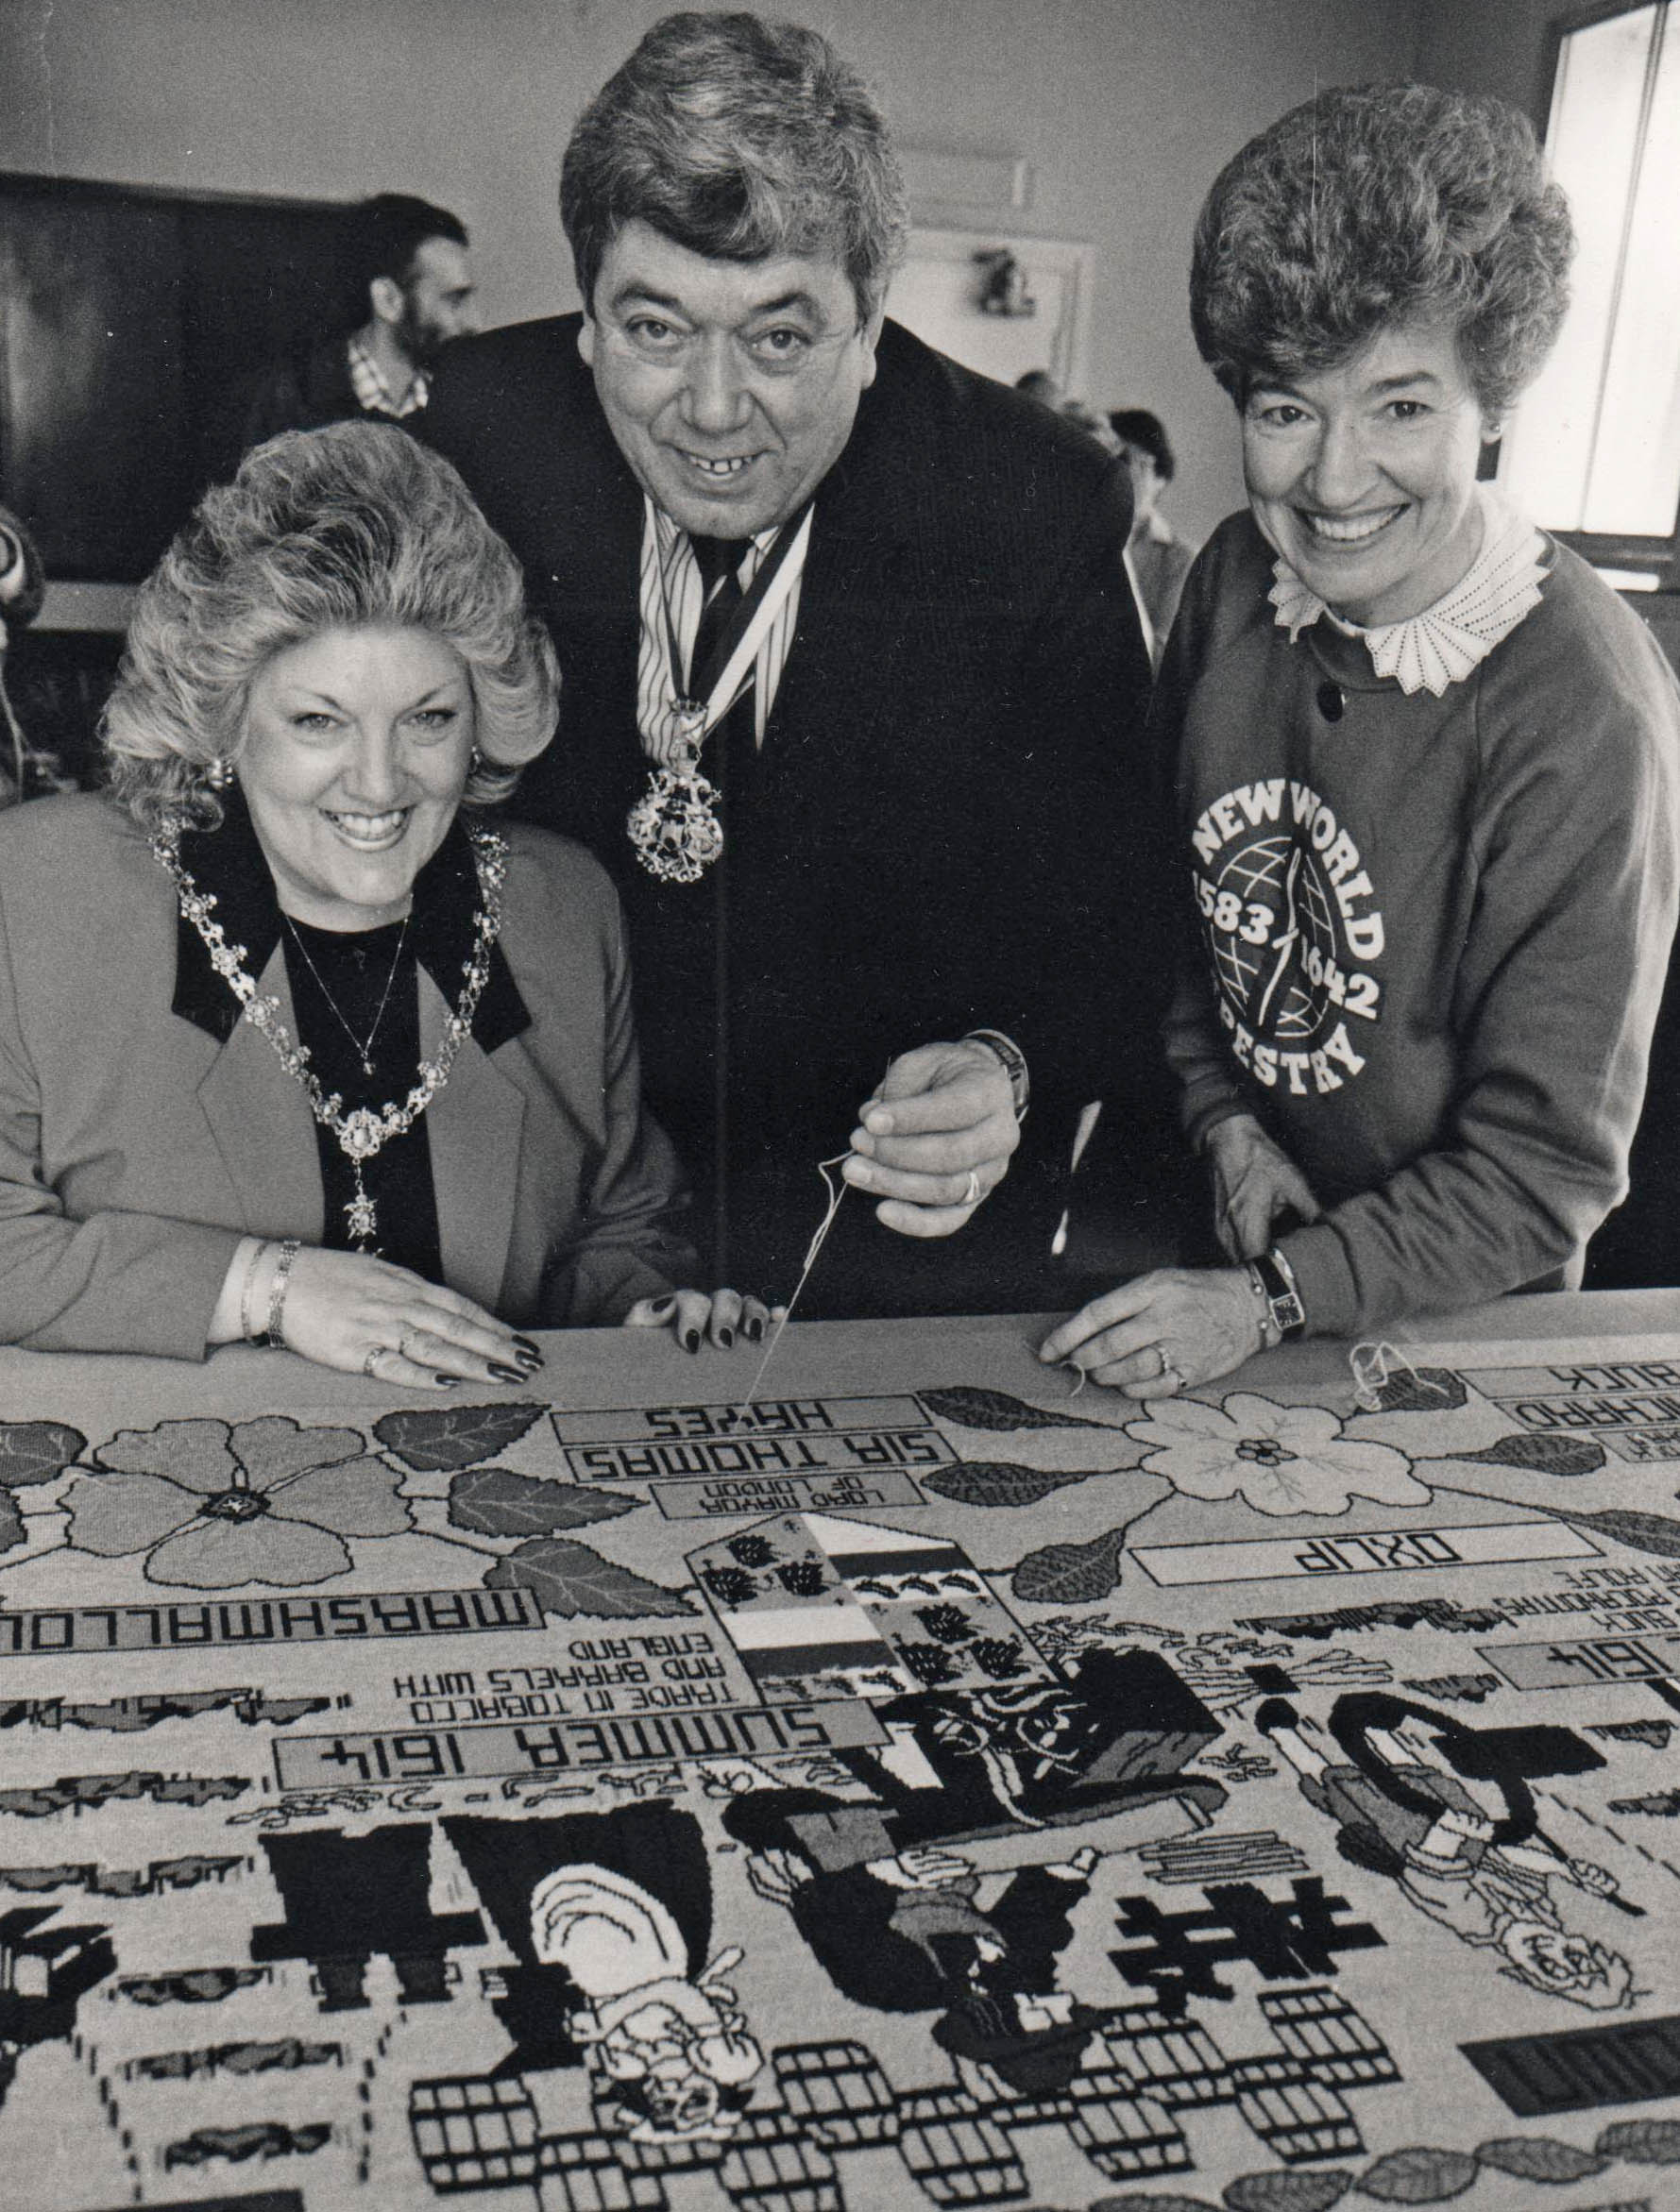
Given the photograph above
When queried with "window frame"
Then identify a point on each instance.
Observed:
(1655, 556)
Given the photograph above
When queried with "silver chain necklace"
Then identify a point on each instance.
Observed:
(364, 1046)
(362, 1134)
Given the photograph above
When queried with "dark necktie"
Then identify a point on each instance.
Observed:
(719, 561)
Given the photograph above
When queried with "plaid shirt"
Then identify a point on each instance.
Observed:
(374, 395)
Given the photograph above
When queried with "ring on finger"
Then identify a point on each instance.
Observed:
(402, 1343)
(971, 1189)
(371, 1358)
(1170, 1375)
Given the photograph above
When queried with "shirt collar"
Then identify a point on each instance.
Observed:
(1447, 641)
(374, 395)
(673, 536)
(230, 864)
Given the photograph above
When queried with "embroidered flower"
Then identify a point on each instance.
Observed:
(1279, 1459)
(215, 1505)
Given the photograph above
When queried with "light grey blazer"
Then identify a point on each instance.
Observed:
(135, 1149)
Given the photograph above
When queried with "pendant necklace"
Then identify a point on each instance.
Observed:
(364, 1132)
(674, 826)
(364, 1046)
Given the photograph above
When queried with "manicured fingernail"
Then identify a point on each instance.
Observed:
(530, 1361)
(504, 1373)
(726, 1338)
(858, 1173)
(863, 1143)
(877, 1121)
(530, 1350)
(690, 1340)
(663, 1308)
(755, 1332)
(447, 1382)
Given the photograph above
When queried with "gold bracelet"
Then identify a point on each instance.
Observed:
(277, 1289)
(252, 1336)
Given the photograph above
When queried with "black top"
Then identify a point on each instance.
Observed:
(358, 971)
(229, 865)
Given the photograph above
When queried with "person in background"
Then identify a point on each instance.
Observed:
(296, 1043)
(854, 686)
(1041, 385)
(1094, 425)
(411, 283)
(1157, 558)
(1425, 762)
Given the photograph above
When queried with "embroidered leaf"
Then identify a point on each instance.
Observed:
(1423, 1390)
(35, 1451)
(11, 1522)
(1418, 2177)
(1287, 2192)
(257, 2139)
(1070, 1574)
(1539, 2158)
(1641, 2142)
(1542, 1454)
(1638, 1531)
(453, 1435)
(971, 1407)
(997, 1482)
(569, 1578)
(1154, 2202)
(494, 1501)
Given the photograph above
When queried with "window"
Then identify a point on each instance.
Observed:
(1595, 451)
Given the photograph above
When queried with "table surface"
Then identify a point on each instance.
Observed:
(918, 1784)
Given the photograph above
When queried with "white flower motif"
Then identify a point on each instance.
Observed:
(1280, 1459)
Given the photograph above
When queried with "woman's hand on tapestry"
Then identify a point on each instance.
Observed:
(1164, 1332)
(935, 1140)
(696, 1317)
(348, 1309)
(1255, 1182)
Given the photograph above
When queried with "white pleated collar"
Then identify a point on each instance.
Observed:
(1445, 643)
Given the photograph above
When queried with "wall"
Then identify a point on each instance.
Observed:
(1496, 47)
(1124, 107)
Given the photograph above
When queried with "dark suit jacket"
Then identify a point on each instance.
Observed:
(137, 1145)
(948, 827)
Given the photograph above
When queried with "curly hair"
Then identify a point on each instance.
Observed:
(739, 139)
(1378, 204)
(352, 527)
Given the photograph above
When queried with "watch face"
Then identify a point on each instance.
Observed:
(1288, 1312)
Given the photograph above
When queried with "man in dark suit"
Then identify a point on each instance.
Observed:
(853, 682)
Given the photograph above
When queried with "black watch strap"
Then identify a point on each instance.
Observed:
(1289, 1316)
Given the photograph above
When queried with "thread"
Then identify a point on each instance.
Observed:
(1375, 1364)
(837, 1187)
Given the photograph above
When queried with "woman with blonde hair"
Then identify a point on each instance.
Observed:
(296, 1042)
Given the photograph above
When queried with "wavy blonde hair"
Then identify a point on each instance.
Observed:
(352, 527)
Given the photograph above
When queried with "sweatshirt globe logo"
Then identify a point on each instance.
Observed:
(1294, 935)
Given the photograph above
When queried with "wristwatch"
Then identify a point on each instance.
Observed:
(1013, 1059)
(1276, 1280)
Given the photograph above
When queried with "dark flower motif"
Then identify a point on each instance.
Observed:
(215, 1505)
